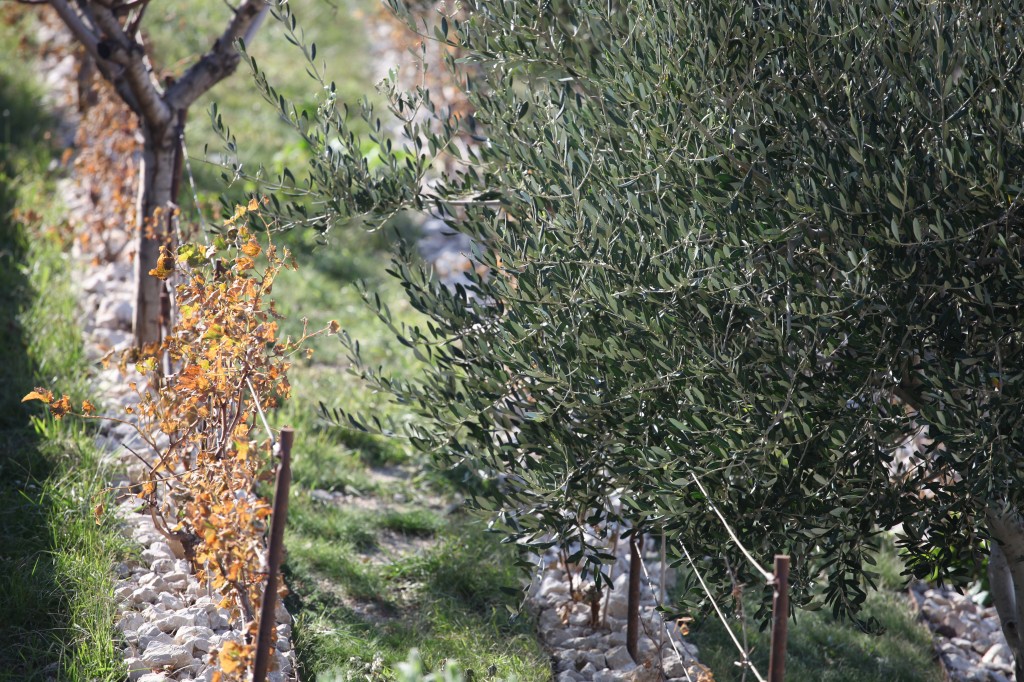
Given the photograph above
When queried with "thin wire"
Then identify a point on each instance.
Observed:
(664, 625)
(767, 575)
(192, 183)
(721, 616)
(266, 425)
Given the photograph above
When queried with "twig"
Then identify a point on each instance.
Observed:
(263, 417)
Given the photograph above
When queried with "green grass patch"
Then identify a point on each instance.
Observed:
(823, 649)
(449, 601)
(56, 582)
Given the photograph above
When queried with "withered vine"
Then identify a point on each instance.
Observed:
(204, 425)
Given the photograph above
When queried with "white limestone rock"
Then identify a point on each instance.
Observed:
(162, 653)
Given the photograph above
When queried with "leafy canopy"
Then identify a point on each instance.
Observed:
(755, 244)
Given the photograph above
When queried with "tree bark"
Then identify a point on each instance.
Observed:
(154, 206)
(1006, 578)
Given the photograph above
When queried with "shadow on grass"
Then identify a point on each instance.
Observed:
(31, 615)
(823, 649)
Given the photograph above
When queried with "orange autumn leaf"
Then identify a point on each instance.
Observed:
(39, 394)
(88, 407)
(245, 263)
(253, 204)
(164, 264)
(239, 212)
(251, 248)
(61, 407)
(230, 658)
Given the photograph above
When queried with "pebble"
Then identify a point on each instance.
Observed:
(582, 652)
(967, 636)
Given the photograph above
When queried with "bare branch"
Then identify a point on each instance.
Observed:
(132, 27)
(125, 51)
(73, 20)
(221, 60)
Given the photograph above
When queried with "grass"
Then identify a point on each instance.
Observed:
(385, 569)
(821, 649)
(56, 583)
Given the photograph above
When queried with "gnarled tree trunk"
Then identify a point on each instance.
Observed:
(1006, 578)
(109, 31)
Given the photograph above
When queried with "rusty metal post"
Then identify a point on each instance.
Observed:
(633, 603)
(780, 620)
(275, 552)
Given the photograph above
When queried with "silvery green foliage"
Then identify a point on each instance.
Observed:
(745, 241)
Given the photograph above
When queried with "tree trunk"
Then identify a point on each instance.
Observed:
(113, 40)
(1006, 578)
(156, 201)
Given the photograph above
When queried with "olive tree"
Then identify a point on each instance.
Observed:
(765, 246)
(111, 33)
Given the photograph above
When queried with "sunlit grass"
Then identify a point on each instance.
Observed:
(56, 582)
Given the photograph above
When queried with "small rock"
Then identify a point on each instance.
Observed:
(130, 621)
(950, 622)
(281, 614)
(150, 632)
(154, 580)
(154, 677)
(998, 654)
(174, 620)
(673, 666)
(144, 595)
(618, 658)
(198, 638)
(554, 583)
(136, 668)
(957, 662)
(159, 654)
(608, 676)
(157, 550)
(171, 602)
(175, 579)
(596, 657)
